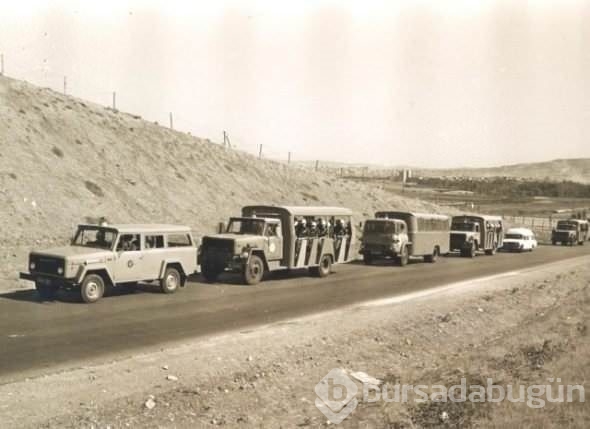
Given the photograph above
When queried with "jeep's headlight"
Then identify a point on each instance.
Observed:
(32, 266)
(60, 271)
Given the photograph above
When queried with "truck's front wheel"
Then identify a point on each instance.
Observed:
(253, 270)
(403, 257)
(92, 288)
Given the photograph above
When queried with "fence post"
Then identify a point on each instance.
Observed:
(317, 164)
(171, 122)
(114, 100)
(289, 158)
(260, 152)
(1, 64)
(65, 85)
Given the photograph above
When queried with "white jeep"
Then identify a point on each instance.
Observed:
(104, 256)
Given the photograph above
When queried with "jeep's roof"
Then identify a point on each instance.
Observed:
(300, 210)
(146, 227)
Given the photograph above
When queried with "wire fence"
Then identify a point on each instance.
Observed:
(44, 75)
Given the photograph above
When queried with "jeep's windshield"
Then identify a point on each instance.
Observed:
(372, 227)
(463, 226)
(514, 236)
(566, 226)
(98, 237)
(246, 226)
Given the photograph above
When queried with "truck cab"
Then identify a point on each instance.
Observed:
(383, 238)
(474, 233)
(245, 238)
(570, 232)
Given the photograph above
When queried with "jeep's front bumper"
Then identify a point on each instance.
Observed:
(48, 279)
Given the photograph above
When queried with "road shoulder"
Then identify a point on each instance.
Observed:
(266, 376)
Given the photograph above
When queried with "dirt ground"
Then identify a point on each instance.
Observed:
(522, 328)
(65, 161)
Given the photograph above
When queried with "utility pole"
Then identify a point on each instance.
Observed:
(114, 100)
(171, 122)
(65, 85)
(260, 152)
(226, 141)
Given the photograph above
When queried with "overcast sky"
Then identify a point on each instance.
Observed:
(437, 84)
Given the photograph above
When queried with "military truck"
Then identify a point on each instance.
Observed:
(401, 235)
(105, 256)
(471, 234)
(570, 232)
(270, 238)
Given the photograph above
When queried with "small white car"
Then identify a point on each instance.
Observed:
(519, 240)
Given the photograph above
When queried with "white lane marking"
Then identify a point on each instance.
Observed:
(427, 292)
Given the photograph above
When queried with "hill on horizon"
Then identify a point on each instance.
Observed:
(574, 169)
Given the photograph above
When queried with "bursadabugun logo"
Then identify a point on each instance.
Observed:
(336, 395)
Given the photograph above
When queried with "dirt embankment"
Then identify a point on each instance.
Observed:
(526, 329)
(64, 161)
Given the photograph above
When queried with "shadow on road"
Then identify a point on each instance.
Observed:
(73, 296)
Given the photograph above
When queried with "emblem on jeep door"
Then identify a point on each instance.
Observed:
(130, 264)
(272, 247)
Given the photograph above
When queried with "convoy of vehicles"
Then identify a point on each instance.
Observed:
(401, 235)
(519, 240)
(103, 256)
(267, 238)
(270, 238)
(476, 233)
(570, 232)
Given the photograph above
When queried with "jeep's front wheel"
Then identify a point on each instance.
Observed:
(171, 280)
(253, 270)
(92, 288)
(46, 292)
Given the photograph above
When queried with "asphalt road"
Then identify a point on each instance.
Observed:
(38, 337)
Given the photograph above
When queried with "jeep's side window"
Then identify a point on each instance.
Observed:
(179, 240)
(154, 241)
(128, 243)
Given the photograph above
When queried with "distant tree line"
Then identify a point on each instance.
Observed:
(510, 187)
